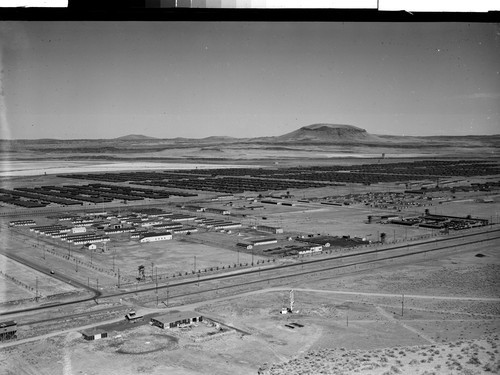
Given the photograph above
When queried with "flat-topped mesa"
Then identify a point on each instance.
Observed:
(327, 133)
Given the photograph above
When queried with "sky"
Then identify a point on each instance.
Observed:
(73, 80)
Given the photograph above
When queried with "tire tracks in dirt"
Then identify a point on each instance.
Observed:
(390, 318)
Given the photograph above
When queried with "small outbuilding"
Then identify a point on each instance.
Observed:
(132, 317)
(90, 246)
(245, 245)
(94, 335)
(268, 229)
(176, 319)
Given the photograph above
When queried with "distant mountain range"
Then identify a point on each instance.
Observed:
(134, 137)
(311, 133)
(315, 134)
(324, 134)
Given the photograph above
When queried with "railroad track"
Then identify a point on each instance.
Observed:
(294, 270)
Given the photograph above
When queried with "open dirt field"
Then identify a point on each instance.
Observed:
(20, 282)
(333, 220)
(175, 256)
(463, 274)
(14, 168)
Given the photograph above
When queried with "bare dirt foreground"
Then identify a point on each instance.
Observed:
(447, 323)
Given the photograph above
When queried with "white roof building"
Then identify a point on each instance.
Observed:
(151, 237)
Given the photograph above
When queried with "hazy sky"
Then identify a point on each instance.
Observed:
(168, 79)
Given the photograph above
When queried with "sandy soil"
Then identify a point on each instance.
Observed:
(14, 168)
(457, 357)
(21, 282)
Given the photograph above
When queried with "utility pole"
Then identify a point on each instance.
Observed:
(402, 304)
(76, 265)
(118, 277)
(195, 263)
(36, 290)
(152, 271)
(238, 258)
(97, 284)
(156, 289)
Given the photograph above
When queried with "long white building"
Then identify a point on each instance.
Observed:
(151, 237)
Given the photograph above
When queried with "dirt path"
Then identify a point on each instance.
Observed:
(482, 299)
(390, 318)
(67, 369)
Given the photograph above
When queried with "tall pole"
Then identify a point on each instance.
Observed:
(195, 263)
(118, 277)
(36, 291)
(156, 289)
(402, 304)
(238, 258)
